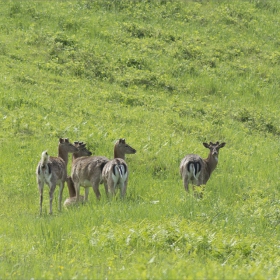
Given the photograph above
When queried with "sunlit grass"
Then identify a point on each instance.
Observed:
(167, 76)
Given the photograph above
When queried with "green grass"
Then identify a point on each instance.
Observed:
(167, 76)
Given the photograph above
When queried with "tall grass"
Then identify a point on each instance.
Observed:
(167, 76)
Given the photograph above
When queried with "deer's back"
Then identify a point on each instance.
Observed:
(58, 168)
(84, 168)
(55, 171)
(195, 162)
(188, 159)
(109, 168)
(191, 157)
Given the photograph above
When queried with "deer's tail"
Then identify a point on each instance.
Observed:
(194, 167)
(44, 159)
(119, 168)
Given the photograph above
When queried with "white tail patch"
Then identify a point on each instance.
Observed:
(119, 173)
(193, 171)
(44, 158)
(121, 169)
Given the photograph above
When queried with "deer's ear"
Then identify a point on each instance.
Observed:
(222, 145)
(66, 140)
(61, 140)
(206, 145)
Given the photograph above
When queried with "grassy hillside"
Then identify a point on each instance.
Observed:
(167, 76)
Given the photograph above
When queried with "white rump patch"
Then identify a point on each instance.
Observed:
(121, 175)
(192, 174)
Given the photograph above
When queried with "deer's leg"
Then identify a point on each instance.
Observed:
(111, 192)
(61, 187)
(106, 188)
(52, 188)
(186, 183)
(86, 194)
(111, 189)
(112, 184)
(97, 192)
(123, 188)
(77, 189)
(41, 189)
(115, 188)
(95, 186)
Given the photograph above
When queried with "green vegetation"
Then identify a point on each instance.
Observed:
(167, 76)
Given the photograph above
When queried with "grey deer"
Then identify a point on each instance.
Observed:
(82, 152)
(87, 172)
(197, 170)
(115, 172)
(53, 171)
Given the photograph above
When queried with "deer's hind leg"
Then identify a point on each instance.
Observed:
(95, 186)
(61, 187)
(123, 187)
(41, 190)
(86, 194)
(186, 183)
(77, 190)
(52, 189)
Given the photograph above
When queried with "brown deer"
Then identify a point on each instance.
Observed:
(53, 171)
(196, 170)
(87, 171)
(115, 172)
(82, 152)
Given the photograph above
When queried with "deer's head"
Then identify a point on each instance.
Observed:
(82, 150)
(214, 148)
(66, 146)
(124, 147)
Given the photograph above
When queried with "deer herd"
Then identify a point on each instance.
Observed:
(91, 171)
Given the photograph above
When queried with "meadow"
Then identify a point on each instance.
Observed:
(166, 76)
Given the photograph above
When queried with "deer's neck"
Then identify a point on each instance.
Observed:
(74, 156)
(63, 154)
(118, 154)
(211, 163)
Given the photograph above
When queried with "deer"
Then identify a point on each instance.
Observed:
(87, 172)
(53, 171)
(197, 170)
(115, 171)
(82, 152)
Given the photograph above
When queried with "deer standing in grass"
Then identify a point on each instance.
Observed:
(82, 152)
(53, 171)
(115, 172)
(196, 170)
(87, 172)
